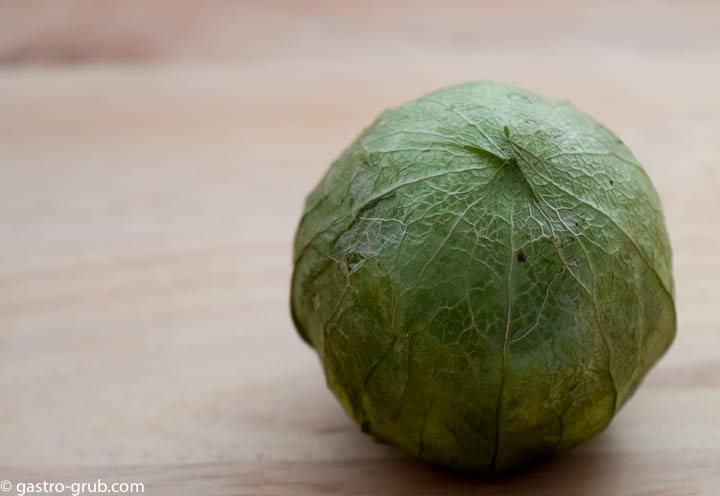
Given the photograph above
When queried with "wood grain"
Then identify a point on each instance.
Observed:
(146, 219)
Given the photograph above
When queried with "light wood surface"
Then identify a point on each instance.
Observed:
(146, 218)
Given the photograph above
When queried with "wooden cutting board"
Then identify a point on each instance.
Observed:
(146, 218)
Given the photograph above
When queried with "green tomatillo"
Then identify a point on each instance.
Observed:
(486, 277)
